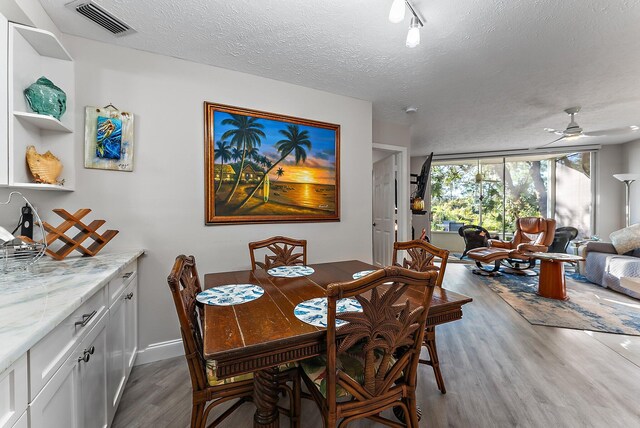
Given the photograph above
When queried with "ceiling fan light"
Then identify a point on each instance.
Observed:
(396, 14)
(413, 36)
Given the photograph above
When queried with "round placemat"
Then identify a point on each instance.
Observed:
(232, 294)
(362, 273)
(314, 311)
(290, 271)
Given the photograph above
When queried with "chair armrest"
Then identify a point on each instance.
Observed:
(499, 244)
(600, 247)
(531, 248)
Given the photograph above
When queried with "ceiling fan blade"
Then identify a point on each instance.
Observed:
(554, 141)
(554, 131)
(613, 132)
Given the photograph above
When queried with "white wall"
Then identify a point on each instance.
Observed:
(631, 157)
(396, 134)
(160, 206)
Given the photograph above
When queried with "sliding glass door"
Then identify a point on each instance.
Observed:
(494, 192)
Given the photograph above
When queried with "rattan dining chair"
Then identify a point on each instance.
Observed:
(208, 390)
(422, 256)
(280, 252)
(373, 365)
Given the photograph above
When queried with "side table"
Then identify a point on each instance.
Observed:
(551, 282)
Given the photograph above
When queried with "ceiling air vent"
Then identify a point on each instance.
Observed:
(97, 14)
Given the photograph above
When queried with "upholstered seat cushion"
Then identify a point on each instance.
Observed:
(350, 362)
(213, 380)
(488, 254)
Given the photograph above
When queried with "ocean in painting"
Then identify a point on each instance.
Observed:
(109, 138)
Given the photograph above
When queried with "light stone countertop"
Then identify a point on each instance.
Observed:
(34, 302)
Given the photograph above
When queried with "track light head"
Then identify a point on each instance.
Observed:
(397, 12)
(413, 36)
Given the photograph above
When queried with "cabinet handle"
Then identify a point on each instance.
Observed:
(91, 350)
(127, 275)
(129, 296)
(85, 357)
(85, 319)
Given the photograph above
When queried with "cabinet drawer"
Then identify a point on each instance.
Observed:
(13, 392)
(119, 283)
(49, 354)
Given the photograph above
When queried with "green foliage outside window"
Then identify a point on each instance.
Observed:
(462, 192)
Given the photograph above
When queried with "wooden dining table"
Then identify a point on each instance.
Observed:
(258, 336)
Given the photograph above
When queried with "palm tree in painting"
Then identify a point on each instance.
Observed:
(253, 153)
(245, 135)
(222, 152)
(279, 173)
(236, 154)
(296, 142)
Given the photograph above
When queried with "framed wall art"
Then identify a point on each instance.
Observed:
(108, 138)
(264, 167)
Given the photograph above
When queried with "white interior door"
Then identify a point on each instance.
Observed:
(383, 210)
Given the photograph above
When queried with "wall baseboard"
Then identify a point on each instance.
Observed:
(160, 351)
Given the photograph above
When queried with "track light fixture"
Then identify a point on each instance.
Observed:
(396, 15)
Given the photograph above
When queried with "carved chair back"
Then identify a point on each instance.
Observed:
(534, 230)
(185, 285)
(279, 252)
(389, 331)
(422, 256)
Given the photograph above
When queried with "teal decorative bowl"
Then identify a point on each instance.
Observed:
(46, 98)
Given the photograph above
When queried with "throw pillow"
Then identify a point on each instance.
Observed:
(627, 239)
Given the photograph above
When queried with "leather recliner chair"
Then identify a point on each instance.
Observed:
(533, 234)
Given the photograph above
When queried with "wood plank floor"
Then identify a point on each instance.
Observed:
(500, 371)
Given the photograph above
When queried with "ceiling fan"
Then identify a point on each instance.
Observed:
(574, 131)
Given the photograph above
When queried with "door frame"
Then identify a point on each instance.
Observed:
(401, 154)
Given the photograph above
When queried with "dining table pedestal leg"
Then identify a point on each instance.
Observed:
(265, 393)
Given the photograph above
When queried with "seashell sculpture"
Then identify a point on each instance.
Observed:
(45, 168)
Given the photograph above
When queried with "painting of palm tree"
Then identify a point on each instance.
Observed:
(245, 133)
(222, 153)
(254, 149)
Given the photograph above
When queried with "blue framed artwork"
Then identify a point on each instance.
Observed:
(108, 140)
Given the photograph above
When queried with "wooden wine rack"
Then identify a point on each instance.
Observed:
(75, 243)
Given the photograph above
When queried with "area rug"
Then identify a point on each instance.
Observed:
(590, 307)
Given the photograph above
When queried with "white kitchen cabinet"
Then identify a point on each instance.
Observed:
(93, 380)
(131, 315)
(122, 338)
(23, 422)
(62, 381)
(13, 392)
(76, 394)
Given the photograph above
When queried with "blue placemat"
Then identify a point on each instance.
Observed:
(314, 311)
(290, 271)
(232, 294)
(362, 273)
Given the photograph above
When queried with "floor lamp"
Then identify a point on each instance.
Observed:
(627, 179)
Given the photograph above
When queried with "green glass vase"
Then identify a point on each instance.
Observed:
(46, 98)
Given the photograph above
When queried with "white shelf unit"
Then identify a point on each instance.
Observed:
(34, 53)
(4, 114)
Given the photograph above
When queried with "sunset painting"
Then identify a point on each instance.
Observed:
(263, 167)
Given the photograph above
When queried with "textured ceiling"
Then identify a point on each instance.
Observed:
(489, 74)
